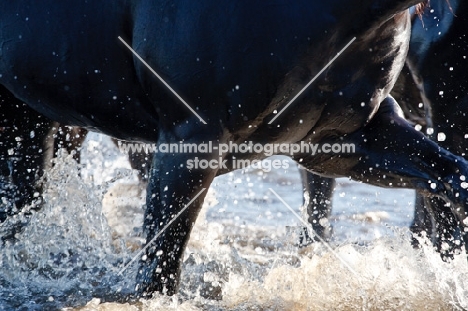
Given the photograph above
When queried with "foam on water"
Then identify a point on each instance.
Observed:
(391, 275)
(70, 254)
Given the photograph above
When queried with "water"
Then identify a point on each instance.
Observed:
(242, 255)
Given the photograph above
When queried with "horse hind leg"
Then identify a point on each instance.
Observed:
(389, 152)
(317, 206)
(445, 199)
(449, 234)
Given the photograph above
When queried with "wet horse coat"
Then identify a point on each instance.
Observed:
(79, 73)
(437, 62)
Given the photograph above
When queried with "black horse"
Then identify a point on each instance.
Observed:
(237, 63)
(436, 74)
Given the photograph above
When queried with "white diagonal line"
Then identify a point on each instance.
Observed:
(311, 81)
(316, 235)
(160, 232)
(162, 80)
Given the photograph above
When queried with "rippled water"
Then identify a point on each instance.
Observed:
(242, 255)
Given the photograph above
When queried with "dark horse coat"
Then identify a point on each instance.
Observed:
(65, 61)
(436, 75)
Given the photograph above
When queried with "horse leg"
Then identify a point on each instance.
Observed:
(317, 205)
(448, 234)
(318, 190)
(171, 188)
(423, 220)
(442, 227)
(436, 215)
(391, 153)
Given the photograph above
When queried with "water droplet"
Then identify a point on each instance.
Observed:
(441, 136)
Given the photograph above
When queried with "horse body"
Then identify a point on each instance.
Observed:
(98, 85)
(76, 72)
(237, 64)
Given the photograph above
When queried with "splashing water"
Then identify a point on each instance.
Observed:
(392, 275)
(70, 253)
(64, 254)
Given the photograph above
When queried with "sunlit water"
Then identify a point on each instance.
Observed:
(243, 252)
